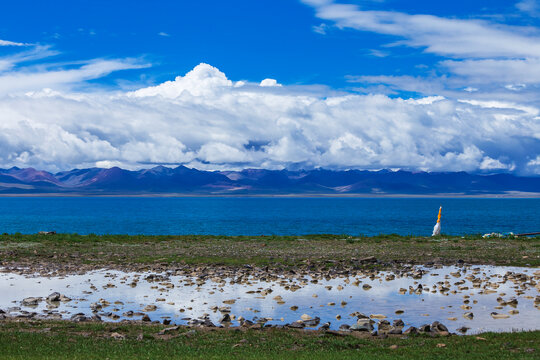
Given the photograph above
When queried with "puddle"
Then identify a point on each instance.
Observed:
(445, 293)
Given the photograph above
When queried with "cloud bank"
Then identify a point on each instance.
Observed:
(205, 120)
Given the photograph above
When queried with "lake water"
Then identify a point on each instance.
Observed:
(266, 216)
(417, 300)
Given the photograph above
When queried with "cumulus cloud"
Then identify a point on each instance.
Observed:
(269, 83)
(204, 119)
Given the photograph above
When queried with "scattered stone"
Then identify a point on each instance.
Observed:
(31, 301)
(297, 325)
(468, 315)
(168, 330)
(149, 308)
(55, 296)
(312, 322)
(410, 331)
(363, 325)
(118, 336)
(438, 327)
(325, 326)
(80, 317)
(499, 316)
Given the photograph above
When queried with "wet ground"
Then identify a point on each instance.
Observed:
(472, 298)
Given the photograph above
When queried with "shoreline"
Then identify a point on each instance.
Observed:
(318, 251)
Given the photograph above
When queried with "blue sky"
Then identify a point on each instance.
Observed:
(245, 39)
(464, 74)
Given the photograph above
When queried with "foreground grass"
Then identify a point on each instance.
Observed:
(63, 340)
(264, 250)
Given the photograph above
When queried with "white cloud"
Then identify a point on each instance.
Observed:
(11, 43)
(162, 33)
(321, 29)
(531, 7)
(443, 36)
(493, 164)
(493, 58)
(203, 119)
(30, 79)
(269, 83)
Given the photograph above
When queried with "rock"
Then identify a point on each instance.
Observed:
(146, 318)
(313, 322)
(325, 326)
(398, 323)
(246, 323)
(208, 323)
(169, 330)
(166, 321)
(64, 298)
(225, 319)
(425, 328)
(468, 315)
(148, 308)
(438, 327)
(118, 336)
(377, 316)
(31, 301)
(55, 296)
(229, 302)
(80, 317)
(499, 316)
(463, 329)
(305, 317)
(294, 308)
(360, 315)
(344, 327)
(411, 331)
(297, 325)
(384, 326)
(363, 325)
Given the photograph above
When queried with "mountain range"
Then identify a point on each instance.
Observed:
(183, 180)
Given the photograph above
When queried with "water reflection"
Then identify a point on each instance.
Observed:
(442, 294)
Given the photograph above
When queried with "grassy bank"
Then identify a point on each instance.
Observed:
(109, 250)
(62, 340)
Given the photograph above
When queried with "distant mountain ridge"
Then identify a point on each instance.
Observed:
(183, 180)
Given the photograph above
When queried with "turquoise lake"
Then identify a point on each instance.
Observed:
(266, 216)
